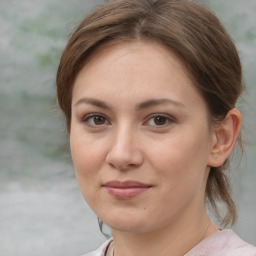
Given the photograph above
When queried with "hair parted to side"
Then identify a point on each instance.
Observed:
(189, 30)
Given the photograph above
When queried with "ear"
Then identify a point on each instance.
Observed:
(224, 138)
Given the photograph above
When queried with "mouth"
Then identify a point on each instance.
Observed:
(125, 190)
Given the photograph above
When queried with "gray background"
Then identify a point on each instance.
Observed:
(41, 209)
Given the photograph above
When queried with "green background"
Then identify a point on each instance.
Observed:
(41, 209)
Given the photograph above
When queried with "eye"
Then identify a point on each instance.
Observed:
(159, 120)
(94, 120)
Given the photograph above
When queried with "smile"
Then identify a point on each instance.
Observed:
(126, 190)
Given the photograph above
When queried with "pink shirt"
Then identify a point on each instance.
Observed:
(223, 243)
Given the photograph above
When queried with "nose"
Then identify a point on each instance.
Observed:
(124, 152)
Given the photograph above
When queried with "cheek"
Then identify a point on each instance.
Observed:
(88, 157)
(181, 161)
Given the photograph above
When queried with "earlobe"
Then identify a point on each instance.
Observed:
(224, 138)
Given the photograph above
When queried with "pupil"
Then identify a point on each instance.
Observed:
(99, 120)
(160, 120)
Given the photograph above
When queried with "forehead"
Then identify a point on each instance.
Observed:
(134, 70)
(137, 55)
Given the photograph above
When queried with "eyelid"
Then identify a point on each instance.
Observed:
(85, 118)
(169, 118)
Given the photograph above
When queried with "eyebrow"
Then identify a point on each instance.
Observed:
(154, 102)
(94, 102)
(143, 105)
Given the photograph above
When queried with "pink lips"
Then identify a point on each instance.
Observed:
(125, 190)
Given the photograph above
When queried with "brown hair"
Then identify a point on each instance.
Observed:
(187, 29)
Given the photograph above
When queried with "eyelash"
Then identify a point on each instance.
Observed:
(168, 120)
(86, 120)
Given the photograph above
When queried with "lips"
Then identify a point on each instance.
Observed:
(126, 190)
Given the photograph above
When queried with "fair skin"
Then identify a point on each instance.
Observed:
(142, 148)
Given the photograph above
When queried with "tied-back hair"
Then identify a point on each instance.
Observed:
(187, 29)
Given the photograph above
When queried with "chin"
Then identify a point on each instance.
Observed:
(128, 223)
(129, 227)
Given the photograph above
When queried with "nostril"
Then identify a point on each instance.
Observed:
(124, 161)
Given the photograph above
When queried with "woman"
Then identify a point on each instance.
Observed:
(149, 89)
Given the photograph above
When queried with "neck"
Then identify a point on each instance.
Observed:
(176, 239)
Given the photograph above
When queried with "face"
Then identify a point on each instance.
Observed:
(140, 138)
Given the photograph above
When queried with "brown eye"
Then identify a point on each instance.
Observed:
(160, 120)
(99, 120)
(94, 120)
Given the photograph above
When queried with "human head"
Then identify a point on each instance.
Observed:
(192, 32)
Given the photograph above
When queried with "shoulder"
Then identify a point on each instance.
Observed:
(101, 250)
(223, 243)
(235, 246)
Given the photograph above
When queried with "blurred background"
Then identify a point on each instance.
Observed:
(41, 209)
